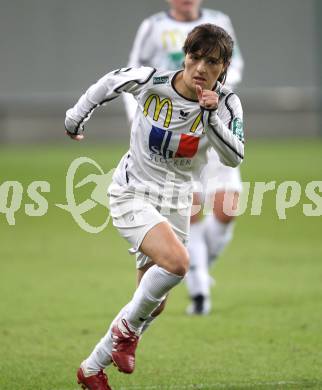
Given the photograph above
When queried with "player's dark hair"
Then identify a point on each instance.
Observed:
(206, 38)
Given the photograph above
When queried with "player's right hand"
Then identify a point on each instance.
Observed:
(207, 99)
(75, 137)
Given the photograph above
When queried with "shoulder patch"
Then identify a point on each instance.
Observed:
(237, 127)
(161, 80)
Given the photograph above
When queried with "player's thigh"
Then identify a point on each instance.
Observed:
(133, 218)
(164, 248)
(153, 236)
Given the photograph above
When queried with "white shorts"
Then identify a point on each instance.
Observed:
(134, 217)
(216, 176)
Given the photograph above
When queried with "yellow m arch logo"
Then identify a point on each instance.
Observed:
(159, 104)
(172, 39)
(196, 123)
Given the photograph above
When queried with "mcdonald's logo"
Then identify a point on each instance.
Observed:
(172, 39)
(159, 105)
(196, 123)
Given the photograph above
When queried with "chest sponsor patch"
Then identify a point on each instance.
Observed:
(160, 80)
(172, 145)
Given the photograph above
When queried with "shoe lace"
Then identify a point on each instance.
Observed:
(129, 332)
(131, 335)
(127, 343)
(102, 377)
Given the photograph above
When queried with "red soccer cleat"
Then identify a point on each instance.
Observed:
(125, 342)
(97, 381)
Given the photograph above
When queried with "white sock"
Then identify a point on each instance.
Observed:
(217, 234)
(100, 358)
(154, 285)
(197, 279)
(147, 323)
(151, 318)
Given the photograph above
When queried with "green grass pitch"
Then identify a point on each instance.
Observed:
(60, 286)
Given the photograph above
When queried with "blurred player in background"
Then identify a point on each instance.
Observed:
(180, 115)
(159, 43)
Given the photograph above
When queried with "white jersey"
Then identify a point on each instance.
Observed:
(169, 133)
(159, 42)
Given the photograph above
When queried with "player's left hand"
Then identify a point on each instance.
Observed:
(207, 99)
(75, 137)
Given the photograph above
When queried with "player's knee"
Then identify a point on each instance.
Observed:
(178, 260)
(180, 264)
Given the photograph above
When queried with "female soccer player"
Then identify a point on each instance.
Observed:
(180, 115)
(158, 43)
